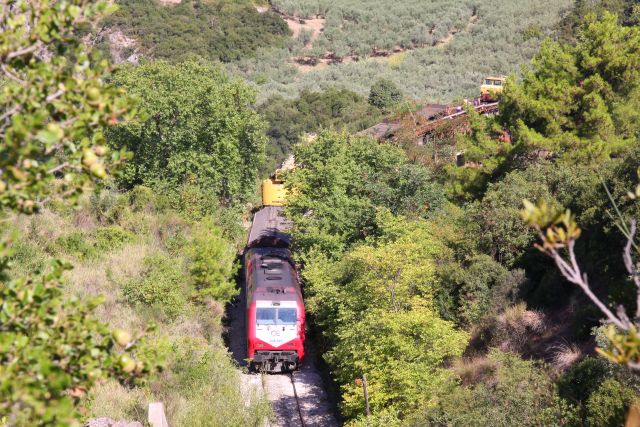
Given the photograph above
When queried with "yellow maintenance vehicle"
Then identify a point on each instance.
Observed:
(491, 88)
(273, 191)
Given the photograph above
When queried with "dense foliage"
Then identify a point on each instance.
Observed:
(222, 29)
(572, 110)
(384, 94)
(53, 112)
(289, 120)
(341, 181)
(419, 275)
(54, 108)
(576, 102)
(504, 390)
(199, 127)
(627, 11)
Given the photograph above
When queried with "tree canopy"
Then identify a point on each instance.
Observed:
(54, 107)
(339, 182)
(199, 126)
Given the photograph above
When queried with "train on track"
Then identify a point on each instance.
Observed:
(275, 313)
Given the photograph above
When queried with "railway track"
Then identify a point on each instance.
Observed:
(288, 410)
(298, 398)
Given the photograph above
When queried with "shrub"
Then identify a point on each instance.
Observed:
(77, 245)
(108, 206)
(609, 403)
(202, 389)
(111, 238)
(162, 286)
(384, 94)
(511, 391)
(212, 267)
(602, 391)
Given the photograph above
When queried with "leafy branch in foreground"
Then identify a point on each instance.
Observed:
(54, 106)
(558, 232)
(54, 102)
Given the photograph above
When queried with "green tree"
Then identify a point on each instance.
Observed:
(583, 97)
(200, 127)
(339, 181)
(576, 104)
(212, 264)
(54, 106)
(336, 109)
(375, 309)
(384, 94)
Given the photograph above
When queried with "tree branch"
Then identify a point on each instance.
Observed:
(573, 274)
(24, 51)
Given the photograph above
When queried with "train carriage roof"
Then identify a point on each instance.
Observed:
(275, 275)
(269, 228)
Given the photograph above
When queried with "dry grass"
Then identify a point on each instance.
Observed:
(517, 325)
(565, 355)
(110, 399)
(476, 370)
(44, 227)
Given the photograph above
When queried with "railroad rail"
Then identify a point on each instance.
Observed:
(286, 400)
(297, 399)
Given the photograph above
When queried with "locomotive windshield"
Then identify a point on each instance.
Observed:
(276, 316)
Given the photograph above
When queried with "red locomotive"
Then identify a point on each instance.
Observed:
(275, 310)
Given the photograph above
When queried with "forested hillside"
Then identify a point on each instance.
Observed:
(486, 278)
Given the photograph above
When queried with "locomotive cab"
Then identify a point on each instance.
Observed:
(275, 311)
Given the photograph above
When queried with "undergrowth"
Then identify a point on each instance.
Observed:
(153, 265)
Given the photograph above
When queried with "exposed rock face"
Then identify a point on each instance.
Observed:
(122, 47)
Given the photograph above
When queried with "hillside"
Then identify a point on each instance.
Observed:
(436, 52)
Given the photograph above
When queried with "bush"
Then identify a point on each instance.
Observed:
(609, 403)
(212, 267)
(202, 389)
(162, 286)
(76, 244)
(384, 94)
(511, 391)
(111, 238)
(602, 391)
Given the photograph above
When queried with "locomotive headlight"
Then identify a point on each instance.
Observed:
(260, 344)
